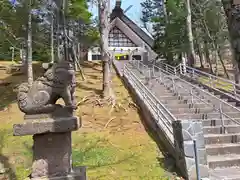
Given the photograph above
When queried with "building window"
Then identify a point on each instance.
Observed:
(137, 57)
(96, 57)
(118, 39)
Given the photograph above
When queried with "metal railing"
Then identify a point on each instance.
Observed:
(221, 84)
(163, 116)
(194, 91)
(215, 82)
(158, 110)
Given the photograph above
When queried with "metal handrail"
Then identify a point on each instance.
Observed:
(169, 113)
(213, 78)
(193, 71)
(205, 92)
(143, 87)
(160, 111)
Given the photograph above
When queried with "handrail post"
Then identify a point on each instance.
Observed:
(191, 92)
(193, 73)
(180, 66)
(196, 159)
(174, 87)
(149, 73)
(161, 78)
(221, 118)
(235, 90)
(211, 81)
(153, 70)
(175, 71)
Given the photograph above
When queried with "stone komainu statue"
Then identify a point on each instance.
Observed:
(57, 82)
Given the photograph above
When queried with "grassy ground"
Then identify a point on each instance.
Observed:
(114, 145)
(217, 83)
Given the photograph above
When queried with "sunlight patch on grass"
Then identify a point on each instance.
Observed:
(219, 84)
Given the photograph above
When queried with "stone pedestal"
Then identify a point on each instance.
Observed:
(52, 147)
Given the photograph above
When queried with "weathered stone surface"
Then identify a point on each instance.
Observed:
(51, 155)
(186, 135)
(197, 127)
(41, 126)
(77, 174)
(188, 149)
(203, 169)
(57, 82)
(185, 132)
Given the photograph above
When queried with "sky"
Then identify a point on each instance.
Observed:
(134, 13)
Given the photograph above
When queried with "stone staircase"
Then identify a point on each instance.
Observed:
(223, 149)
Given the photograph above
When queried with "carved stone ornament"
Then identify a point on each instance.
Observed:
(57, 82)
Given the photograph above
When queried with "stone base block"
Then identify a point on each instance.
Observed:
(77, 174)
(51, 154)
(41, 126)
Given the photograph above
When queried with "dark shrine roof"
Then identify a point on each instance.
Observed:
(118, 12)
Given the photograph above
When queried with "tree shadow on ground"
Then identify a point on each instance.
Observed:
(10, 173)
(9, 85)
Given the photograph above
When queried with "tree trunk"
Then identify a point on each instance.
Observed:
(104, 24)
(191, 57)
(52, 39)
(207, 55)
(29, 46)
(232, 12)
(221, 60)
(200, 55)
(216, 61)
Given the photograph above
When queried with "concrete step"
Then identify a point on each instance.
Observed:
(166, 98)
(190, 116)
(206, 115)
(221, 161)
(160, 94)
(221, 138)
(184, 100)
(218, 129)
(191, 110)
(217, 122)
(210, 115)
(230, 173)
(221, 149)
(217, 115)
(195, 105)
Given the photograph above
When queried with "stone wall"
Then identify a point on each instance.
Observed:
(184, 133)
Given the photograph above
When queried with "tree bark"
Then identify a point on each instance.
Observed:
(104, 24)
(200, 54)
(191, 54)
(221, 60)
(232, 12)
(52, 39)
(29, 46)
(207, 55)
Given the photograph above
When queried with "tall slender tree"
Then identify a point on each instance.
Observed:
(232, 11)
(103, 6)
(29, 45)
(191, 55)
